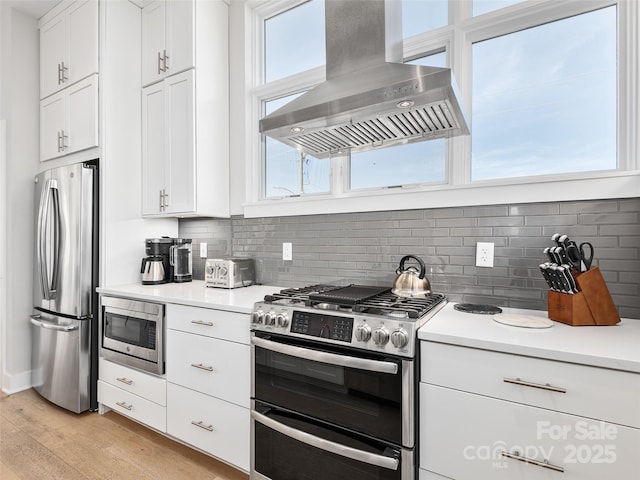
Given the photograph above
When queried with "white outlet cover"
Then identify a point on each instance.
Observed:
(484, 254)
(203, 249)
(287, 251)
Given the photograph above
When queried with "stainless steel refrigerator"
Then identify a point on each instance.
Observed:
(64, 361)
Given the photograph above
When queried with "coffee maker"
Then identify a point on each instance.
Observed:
(156, 267)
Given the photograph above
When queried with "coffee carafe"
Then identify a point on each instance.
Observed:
(152, 270)
(181, 259)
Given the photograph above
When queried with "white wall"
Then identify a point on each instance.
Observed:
(19, 109)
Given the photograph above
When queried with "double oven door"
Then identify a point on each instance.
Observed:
(324, 412)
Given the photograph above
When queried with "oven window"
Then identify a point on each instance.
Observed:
(365, 401)
(130, 330)
(279, 456)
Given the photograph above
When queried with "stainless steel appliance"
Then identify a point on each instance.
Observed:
(64, 361)
(133, 333)
(229, 272)
(157, 251)
(371, 99)
(333, 383)
(181, 260)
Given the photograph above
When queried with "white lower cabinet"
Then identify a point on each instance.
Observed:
(215, 426)
(208, 381)
(493, 415)
(133, 393)
(485, 437)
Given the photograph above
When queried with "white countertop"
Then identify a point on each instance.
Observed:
(616, 346)
(194, 294)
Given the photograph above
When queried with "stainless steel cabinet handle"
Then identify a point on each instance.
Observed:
(64, 138)
(202, 367)
(325, 357)
(208, 428)
(35, 320)
(516, 456)
(517, 381)
(202, 322)
(159, 64)
(63, 73)
(125, 380)
(165, 57)
(59, 141)
(124, 405)
(326, 445)
(59, 74)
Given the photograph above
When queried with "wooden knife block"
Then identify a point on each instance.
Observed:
(592, 305)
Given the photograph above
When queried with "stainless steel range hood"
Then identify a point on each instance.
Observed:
(370, 99)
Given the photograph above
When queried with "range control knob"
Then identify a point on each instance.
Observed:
(282, 320)
(363, 332)
(270, 318)
(380, 336)
(257, 316)
(399, 338)
(209, 270)
(223, 272)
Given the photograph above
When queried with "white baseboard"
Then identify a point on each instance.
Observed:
(17, 382)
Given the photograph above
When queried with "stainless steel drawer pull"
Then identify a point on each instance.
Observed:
(124, 405)
(208, 428)
(544, 464)
(202, 367)
(202, 322)
(546, 386)
(125, 380)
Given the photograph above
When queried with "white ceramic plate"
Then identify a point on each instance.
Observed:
(526, 321)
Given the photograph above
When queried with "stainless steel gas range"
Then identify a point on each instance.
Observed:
(333, 383)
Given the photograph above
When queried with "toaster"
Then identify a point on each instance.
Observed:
(229, 272)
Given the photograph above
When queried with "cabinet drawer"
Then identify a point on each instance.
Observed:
(210, 366)
(212, 323)
(142, 384)
(594, 392)
(463, 436)
(130, 405)
(215, 426)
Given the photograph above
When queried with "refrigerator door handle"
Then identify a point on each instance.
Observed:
(35, 319)
(49, 194)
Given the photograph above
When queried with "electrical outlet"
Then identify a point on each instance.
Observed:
(484, 254)
(203, 249)
(287, 251)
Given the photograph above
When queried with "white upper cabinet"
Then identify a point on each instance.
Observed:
(185, 111)
(168, 38)
(68, 46)
(69, 120)
(168, 138)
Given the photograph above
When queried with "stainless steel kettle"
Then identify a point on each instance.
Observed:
(410, 282)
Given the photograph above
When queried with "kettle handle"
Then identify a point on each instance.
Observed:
(144, 262)
(419, 260)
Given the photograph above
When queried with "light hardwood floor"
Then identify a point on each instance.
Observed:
(40, 441)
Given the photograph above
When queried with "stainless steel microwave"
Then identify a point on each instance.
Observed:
(133, 333)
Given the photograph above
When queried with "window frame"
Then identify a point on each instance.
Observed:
(457, 39)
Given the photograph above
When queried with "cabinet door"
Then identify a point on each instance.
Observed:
(53, 51)
(52, 124)
(180, 143)
(152, 148)
(83, 40)
(180, 36)
(153, 41)
(83, 115)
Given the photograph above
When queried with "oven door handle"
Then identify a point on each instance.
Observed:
(326, 357)
(327, 445)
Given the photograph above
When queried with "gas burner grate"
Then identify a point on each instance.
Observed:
(390, 303)
(299, 294)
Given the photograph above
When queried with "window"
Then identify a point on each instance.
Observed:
(544, 99)
(550, 90)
